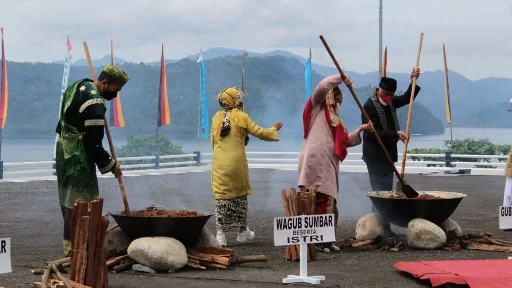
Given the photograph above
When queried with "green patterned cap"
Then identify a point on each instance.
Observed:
(116, 75)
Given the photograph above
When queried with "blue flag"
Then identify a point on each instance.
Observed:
(204, 121)
(307, 75)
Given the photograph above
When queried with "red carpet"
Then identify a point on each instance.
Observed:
(474, 273)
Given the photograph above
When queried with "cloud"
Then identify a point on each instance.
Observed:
(477, 35)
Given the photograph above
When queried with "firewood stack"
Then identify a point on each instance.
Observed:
(296, 204)
(88, 258)
(217, 258)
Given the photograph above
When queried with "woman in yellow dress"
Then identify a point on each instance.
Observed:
(230, 172)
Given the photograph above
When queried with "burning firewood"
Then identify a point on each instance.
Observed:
(296, 204)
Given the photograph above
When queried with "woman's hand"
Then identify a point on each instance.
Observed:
(368, 127)
(278, 125)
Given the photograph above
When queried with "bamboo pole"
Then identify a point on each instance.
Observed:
(109, 136)
(409, 114)
(406, 189)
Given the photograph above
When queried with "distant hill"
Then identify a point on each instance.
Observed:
(96, 62)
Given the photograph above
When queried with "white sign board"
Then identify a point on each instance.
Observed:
(505, 217)
(5, 255)
(304, 229)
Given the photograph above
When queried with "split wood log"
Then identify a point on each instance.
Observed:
(215, 251)
(80, 210)
(37, 272)
(102, 272)
(294, 198)
(291, 252)
(363, 243)
(116, 260)
(208, 258)
(308, 208)
(112, 227)
(503, 242)
(195, 265)
(94, 221)
(218, 258)
(368, 247)
(81, 252)
(497, 241)
(60, 277)
(473, 236)
(51, 284)
(452, 247)
(123, 267)
(57, 284)
(46, 275)
(117, 252)
(487, 247)
(212, 265)
(246, 259)
(59, 261)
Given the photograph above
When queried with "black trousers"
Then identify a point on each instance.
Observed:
(381, 179)
(67, 214)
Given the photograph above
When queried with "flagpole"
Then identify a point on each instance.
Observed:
(200, 96)
(380, 38)
(65, 77)
(311, 61)
(112, 120)
(243, 70)
(447, 95)
(158, 101)
(3, 97)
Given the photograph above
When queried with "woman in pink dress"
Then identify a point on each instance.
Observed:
(325, 145)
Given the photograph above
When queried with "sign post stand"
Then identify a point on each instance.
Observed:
(304, 278)
(303, 230)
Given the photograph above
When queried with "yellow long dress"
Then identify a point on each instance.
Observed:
(230, 172)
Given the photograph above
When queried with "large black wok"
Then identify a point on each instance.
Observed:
(184, 229)
(401, 211)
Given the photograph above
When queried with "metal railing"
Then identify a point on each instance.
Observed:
(261, 160)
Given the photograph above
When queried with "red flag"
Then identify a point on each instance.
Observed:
(4, 91)
(164, 111)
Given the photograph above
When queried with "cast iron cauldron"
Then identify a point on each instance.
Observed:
(401, 211)
(184, 229)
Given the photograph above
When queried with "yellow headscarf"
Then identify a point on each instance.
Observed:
(229, 98)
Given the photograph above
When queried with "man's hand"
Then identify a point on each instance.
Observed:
(401, 135)
(116, 170)
(415, 73)
(278, 125)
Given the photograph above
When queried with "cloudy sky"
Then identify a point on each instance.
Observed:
(477, 34)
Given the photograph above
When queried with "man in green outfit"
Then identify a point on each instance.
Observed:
(79, 147)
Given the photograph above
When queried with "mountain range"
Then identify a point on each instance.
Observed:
(481, 103)
(274, 90)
